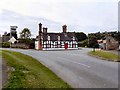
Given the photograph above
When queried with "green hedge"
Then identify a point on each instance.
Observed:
(5, 44)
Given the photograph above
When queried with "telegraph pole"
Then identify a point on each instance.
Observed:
(10, 36)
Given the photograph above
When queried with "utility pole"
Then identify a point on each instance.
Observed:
(10, 36)
(88, 40)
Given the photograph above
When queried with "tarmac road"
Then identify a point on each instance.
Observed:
(77, 68)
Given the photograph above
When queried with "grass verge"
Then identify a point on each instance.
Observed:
(27, 72)
(105, 55)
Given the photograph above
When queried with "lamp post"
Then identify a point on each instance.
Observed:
(88, 40)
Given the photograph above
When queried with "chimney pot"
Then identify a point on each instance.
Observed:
(64, 27)
(40, 28)
(45, 30)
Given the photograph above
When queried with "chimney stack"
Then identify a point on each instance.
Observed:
(45, 30)
(64, 27)
(39, 37)
(40, 28)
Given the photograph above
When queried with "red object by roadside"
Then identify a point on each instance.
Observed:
(40, 46)
(66, 45)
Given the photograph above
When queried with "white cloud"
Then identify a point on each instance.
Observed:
(10, 18)
(80, 15)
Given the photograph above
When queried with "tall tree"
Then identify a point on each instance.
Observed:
(92, 40)
(81, 36)
(25, 34)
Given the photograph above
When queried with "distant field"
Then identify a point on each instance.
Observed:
(105, 55)
(27, 72)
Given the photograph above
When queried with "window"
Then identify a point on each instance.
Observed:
(48, 45)
(48, 38)
(58, 38)
(59, 46)
(73, 38)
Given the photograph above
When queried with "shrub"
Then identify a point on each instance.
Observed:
(5, 44)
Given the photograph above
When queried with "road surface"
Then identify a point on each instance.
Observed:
(77, 68)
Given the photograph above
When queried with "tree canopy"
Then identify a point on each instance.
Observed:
(81, 36)
(92, 40)
(25, 34)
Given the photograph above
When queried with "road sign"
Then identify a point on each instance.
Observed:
(13, 27)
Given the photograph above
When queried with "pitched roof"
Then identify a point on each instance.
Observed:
(63, 36)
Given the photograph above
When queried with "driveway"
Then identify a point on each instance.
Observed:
(77, 68)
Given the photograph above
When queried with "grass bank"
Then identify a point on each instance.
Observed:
(27, 72)
(105, 55)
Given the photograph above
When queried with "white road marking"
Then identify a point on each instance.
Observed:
(73, 54)
(81, 64)
(75, 62)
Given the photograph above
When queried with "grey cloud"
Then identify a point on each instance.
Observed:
(12, 18)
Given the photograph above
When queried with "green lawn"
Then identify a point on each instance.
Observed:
(27, 72)
(105, 55)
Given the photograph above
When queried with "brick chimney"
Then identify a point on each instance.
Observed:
(40, 28)
(39, 37)
(45, 30)
(64, 27)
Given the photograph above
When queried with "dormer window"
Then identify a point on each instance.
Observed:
(58, 38)
(65, 34)
(48, 38)
(73, 38)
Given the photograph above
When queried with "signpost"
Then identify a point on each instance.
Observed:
(12, 29)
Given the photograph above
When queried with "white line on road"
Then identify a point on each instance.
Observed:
(81, 64)
(75, 62)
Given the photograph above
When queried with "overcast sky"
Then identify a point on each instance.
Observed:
(79, 15)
